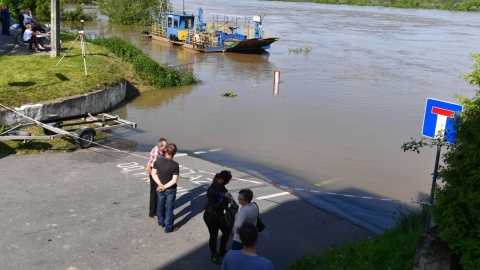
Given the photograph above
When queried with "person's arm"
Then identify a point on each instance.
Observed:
(239, 220)
(171, 182)
(149, 168)
(156, 179)
(150, 161)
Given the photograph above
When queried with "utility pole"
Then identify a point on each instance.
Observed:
(55, 28)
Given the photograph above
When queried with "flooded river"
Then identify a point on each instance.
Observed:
(341, 113)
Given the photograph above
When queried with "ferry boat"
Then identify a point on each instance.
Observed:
(226, 33)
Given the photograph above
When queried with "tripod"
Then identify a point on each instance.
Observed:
(81, 35)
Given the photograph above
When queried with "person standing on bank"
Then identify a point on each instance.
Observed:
(247, 214)
(20, 19)
(5, 15)
(27, 17)
(247, 258)
(157, 151)
(218, 198)
(165, 173)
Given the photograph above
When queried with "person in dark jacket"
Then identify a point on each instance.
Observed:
(5, 14)
(20, 20)
(218, 198)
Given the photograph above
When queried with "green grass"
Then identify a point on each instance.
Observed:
(34, 78)
(394, 249)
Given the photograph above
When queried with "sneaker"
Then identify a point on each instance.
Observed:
(222, 253)
(216, 259)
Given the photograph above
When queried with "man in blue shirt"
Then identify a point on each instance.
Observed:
(246, 258)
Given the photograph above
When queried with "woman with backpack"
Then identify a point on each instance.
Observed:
(218, 199)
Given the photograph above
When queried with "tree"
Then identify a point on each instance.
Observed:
(42, 10)
(130, 11)
(456, 209)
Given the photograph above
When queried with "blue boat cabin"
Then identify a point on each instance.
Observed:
(178, 25)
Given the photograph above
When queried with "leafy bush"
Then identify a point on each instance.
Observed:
(87, 2)
(148, 69)
(456, 209)
(78, 14)
(129, 12)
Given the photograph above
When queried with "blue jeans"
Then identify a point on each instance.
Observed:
(166, 202)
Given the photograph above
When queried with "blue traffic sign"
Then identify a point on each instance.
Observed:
(439, 118)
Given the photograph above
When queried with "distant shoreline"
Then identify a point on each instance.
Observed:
(456, 5)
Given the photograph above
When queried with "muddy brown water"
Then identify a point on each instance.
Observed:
(341, 112)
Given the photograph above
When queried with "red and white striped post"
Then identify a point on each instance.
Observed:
(276, 82)
(276, 77)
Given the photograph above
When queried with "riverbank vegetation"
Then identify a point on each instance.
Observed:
(77, 14)
(395, 249)
(456, 208)
(42, 10)
(456, 5)
(130, 12)
(152, 73)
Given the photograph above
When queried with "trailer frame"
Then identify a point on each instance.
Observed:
(52, 127)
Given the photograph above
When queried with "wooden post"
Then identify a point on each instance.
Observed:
(55, 28)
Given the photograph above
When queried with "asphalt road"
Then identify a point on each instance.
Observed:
(89, 210)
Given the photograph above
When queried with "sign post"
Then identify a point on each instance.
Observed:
(438, 123)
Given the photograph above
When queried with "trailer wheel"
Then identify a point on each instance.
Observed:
(85, 137)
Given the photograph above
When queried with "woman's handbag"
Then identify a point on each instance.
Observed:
(228, 218)
(260, 225)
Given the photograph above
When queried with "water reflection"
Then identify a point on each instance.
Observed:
(156, 99)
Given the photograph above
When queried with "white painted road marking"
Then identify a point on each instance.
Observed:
(211, 150)
(273, 195)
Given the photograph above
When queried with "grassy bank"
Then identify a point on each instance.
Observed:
(456, 5)
(34, 78)
(395, 249)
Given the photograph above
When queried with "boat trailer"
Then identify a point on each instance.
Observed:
(52, 127)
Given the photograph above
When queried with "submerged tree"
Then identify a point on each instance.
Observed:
(456, 209)
(131, 12)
